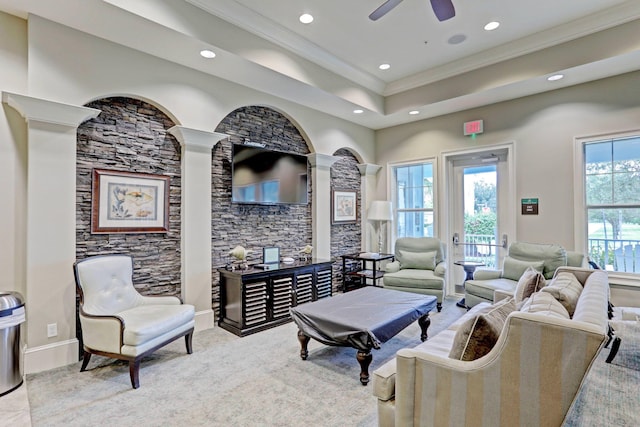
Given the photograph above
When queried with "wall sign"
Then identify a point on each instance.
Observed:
(529, 206)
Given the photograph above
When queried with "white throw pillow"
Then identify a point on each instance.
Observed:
(566, 288)
(545, 303)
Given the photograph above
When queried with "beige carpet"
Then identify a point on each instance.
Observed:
(258, 380)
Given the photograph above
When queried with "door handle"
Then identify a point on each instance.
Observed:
(503, 244)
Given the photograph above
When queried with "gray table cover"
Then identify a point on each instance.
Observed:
(363, 318)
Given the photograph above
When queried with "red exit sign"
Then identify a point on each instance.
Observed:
(473, 127)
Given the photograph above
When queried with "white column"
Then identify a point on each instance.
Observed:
(321, 201)
(51, 228)
(368, 173)
(196, 220)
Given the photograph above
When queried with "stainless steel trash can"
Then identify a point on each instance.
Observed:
(12, 315)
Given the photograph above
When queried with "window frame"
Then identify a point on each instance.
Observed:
(393, 190)
(580, 200)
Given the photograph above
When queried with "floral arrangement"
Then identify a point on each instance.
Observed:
(240, 254)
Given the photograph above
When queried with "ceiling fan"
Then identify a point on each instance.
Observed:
(442, 8)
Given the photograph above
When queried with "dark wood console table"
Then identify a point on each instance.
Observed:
(254, 300)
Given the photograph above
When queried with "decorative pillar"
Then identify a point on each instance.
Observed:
(51, 229)
(196, 220)
(368, 173)
(321, 201)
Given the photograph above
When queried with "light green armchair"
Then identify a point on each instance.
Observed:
(418, 267)
(545, 258)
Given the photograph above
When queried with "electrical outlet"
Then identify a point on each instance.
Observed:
(52, 330)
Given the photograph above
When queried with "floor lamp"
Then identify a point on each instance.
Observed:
(380, 212)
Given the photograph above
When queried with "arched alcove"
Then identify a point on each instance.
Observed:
(131, 135)
(254, 226)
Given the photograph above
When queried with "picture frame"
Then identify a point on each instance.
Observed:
(344, 207)
(271, 255)
(129, 202)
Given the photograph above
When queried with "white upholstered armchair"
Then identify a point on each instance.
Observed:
(120, 323)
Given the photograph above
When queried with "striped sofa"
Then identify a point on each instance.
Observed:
(529, 378)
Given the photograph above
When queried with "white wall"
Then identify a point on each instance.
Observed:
(69, 66)
(13, 78)
(543, 127)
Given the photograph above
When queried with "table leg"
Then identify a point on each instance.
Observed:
(304, 340)
(614, 349)
(364, 358)
(469, 272)
(424, 322)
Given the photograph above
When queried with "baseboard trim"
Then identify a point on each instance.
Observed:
(49, 356)
(204, 320)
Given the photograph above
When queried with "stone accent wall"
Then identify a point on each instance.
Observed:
(345, 238)
(131, 135)
(254, 226)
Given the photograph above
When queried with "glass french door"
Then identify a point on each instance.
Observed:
(481, 211)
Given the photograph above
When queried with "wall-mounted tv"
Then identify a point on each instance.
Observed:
(262, 176)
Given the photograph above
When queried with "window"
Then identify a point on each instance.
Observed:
(612, 201)
(413, 199)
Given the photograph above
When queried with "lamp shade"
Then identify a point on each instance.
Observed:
(380, 210)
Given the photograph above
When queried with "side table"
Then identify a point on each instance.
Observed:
(356, 278)
(469, 267)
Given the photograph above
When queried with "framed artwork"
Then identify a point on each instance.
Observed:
(271, 255)
(129, 202)
(343, 207)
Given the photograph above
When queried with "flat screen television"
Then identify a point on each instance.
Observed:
(262, 176)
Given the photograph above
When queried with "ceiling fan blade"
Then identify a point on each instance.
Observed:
(384, 9)
(443, 9)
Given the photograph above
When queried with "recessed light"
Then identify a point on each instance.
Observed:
(206, 53)
(492, 25)
(414, 112)
(555, 77)
(384, 66)
(305, 18)
(358, 111)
